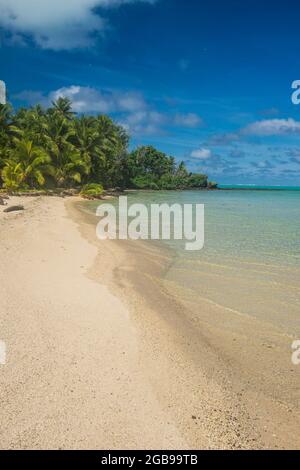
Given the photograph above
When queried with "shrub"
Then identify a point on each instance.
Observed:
(197, 181)
(212, 185)
(144, 182)
(92, 190)
(13, 176)
(167, 182)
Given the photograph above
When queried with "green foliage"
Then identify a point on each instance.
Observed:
(169, 182)
(148, 160)
(198, 181)
(54, 148)
(63, 107)
(12, 176)
(212, 185)
(92, 190)
(144, 182)
(151, 169)
(26, 166)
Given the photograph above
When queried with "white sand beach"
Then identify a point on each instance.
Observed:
(93, 365)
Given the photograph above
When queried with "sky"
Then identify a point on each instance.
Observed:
(208, 82)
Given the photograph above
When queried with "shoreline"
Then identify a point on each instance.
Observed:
(205, 411)
(72, 378)
(238, 368)
(100, 355)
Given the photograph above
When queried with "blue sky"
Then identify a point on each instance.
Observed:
(208, 82)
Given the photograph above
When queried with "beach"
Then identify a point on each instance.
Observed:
(100, 355)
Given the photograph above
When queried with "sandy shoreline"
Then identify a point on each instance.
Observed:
(97, 355)
(72, 378)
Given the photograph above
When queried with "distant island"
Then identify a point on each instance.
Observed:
(54, 148)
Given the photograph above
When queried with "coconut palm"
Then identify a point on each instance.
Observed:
(26, 166)
(63, 107)
(8, 128)
(87, 139)
(68, 167)
(111, 143)
(67, 161)
(53, 146)
(58, 131)
(12, 175)
(33, 124)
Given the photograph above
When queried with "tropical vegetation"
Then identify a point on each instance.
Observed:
(54, 148)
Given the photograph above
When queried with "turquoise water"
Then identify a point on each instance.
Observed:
(259, 187)
(250, 263)
(240, 225)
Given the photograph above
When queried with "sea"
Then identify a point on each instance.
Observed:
(250, 262)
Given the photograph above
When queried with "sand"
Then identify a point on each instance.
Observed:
(98, 357)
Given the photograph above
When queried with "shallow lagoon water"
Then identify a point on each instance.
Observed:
(250, 263)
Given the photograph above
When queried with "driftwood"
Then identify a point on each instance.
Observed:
(14, 209)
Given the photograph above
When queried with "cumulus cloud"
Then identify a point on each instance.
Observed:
(188, 120)
(272, 127)
(129, 108)
(145, 122)
(151, 122)
(202, 154)
(91, 100)
(85, 99)
(57, 24)
(88, 100)
(264, 128)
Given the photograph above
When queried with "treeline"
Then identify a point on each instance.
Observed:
(54, 148)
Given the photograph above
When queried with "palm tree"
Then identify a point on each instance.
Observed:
(12, 175)
(8, 129)
(87, 139)
(63, 106)
(68, 166)
(26, 167)
(58, 131)
(33, 124)
(68, 163)
(111, 142)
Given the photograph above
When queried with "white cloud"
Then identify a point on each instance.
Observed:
(150, 121)
(134, 113)
(264, 128)
(130, 108)
(188, 120)
(145, 122)
(85, 99)
(202, 154)
(89, 100)
(271, 127)
(130, 101)
(57, 24)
